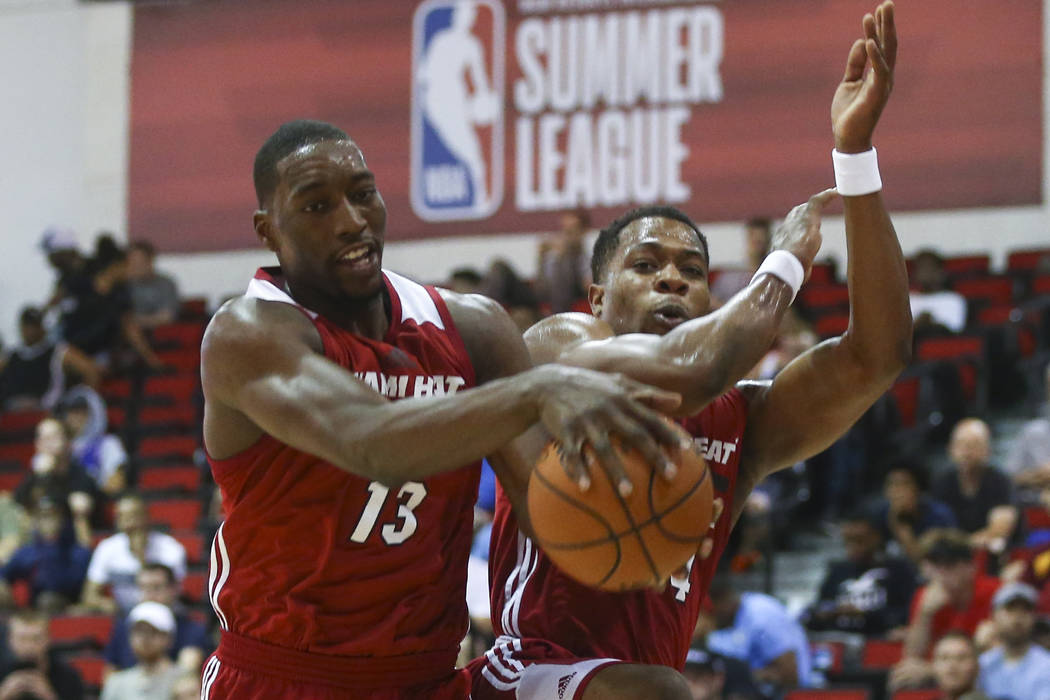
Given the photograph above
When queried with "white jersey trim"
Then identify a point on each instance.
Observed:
(215, 587)
(416, 303)
(268, 291)
(211, 671)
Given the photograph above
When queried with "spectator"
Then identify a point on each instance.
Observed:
(99, 314)
(187, 687)
(34, 376)
(955, 667)
(155, 675)
(868, 592)
(934, 307)
(711, 676)
(154, 296)
(758, 232)
(905, 513)
(53, 563)
(503, 284)
(34, 669)
(1016, 669)
(1034, 566)
(14, 526)
(979, 495)
(464, 280)
(101, 454)
(157, 583)
(64, 257)
(563, 271)
(118, 559)
(956, 598)
(756, 628)
(1029, 459)
(57, 476)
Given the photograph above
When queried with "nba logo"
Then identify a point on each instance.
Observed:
(457, 109)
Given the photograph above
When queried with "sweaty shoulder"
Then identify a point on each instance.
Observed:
(551, 337)
(492, 338)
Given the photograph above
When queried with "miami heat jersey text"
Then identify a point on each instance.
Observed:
(317, 560)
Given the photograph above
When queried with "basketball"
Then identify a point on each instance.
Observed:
(613, 543)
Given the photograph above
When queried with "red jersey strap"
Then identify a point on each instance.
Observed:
(348, 672)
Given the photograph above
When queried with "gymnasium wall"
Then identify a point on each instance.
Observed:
(71, 118)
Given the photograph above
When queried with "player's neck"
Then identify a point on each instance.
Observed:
(368, 318)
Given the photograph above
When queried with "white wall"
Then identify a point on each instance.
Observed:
(66, 128)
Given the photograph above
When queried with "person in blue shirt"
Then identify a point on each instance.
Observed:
(757, 628)
(1017, 668)
(156, 583)
(906, 512)
(53, 563)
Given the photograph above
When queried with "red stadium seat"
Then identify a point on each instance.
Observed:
(905, 394)
(925, 694)
(20, 421)
(182, 334)
(995, 290)
(116, 416)
(966, 264)
(183, 359)
(828, 656)
(9, 480)
(1041, 285)
(195, 307)
(1036, 518)
(90, 667)
(20, 452)
(950, 348)
(831, 325)
(187, 478)
(193, 542)
(174, 387)
(822, 296)
(829, 694)
(183, 415)
(115, 389)
(881, 653)
(195, 585)
(177, 514)
(94, 630)
(168, 446)
(822, 273)
(1023, 260)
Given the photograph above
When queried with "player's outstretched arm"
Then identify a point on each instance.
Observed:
(263, 371)
(701, 358)
(819, 395)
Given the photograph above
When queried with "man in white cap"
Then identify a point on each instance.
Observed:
(1017, 668)
(155, 674)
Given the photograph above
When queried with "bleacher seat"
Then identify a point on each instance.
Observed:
(829, 694)
(193, 308)
(822, 273)
(172, 388)
(176, 513)
(923, 694)
(988, 290)
(181, 334)
(1025, 260)
(20, 421)
(1036, 518)
(905, 394)
(20, 452)
(193, 542)
(178, 417)
(90, 667)
(967, 264)
(181, 359)
(115, 390)
(881, 653)
(180, 446)
(1041, 285)
(9, 480)
(116, 417)
(195, 585)
(828, 656)
(81, 630)
(831, 325)
(162, 478)
(823, 296)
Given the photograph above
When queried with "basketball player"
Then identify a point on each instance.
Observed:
(340, 570)
(559, 639)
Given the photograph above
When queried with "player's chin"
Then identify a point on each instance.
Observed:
(362, 286)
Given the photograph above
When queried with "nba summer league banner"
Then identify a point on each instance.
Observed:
(491, 116)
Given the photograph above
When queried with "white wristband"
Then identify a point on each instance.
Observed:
(785, 267)
(856, 173)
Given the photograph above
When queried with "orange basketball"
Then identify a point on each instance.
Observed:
(606, 541)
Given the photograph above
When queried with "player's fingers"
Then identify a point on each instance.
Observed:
(878, 60)
(636, 435)
(657, 399)
(706, 547)
(573, 462)
(821, 199)
(855, 62)
(666, 433)
(718, 505)
(606, 457)
(888, 33)
(869, 26)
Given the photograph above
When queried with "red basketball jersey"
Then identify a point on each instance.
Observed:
(315, 559)
(532, 599)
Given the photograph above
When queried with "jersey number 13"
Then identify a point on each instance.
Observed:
(409, 497)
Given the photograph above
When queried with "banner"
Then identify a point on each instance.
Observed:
(482, 116)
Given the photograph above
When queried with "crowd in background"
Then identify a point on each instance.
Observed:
(946, 558)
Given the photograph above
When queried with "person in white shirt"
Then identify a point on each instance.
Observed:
(155, 675)
(117, 559)
(1017, 668)
(933, 305)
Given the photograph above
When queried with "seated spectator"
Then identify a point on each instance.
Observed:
(955, 667)
(756, 628)
(118, 559)
(53, 563)
(98, 314)
(187, 687)
(711, 676)
(34, 375)
(464, 280)
(33, 669)
(1034, 567)
(934, 307)
(14, 526)
(64, 257)
(868, 592)
(758, 232)
(1017, 668)
(157, 583)
(563, 271)
(905, 513)
(101, 454)
(956, 598)
(154, 296)
(60, 478)
(503, 284)
(154, 675)
(1029, 460)
(980, 496)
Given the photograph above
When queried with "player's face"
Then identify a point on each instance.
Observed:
(656, 281)
(326, 222)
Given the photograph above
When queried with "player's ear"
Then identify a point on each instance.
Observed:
(596, 297)
(264, 229)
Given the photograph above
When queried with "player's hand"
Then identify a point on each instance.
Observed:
(799, 234)
(584, 409)
(860, 98)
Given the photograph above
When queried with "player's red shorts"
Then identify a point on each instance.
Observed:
(244, 669)
(531, 669)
